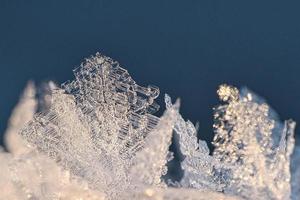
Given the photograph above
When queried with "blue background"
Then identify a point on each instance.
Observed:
(187, 48)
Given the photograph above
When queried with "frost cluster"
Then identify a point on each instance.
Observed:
(97, 137)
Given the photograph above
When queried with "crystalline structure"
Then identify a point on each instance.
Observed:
(255, 144)
(26, 174)
(97, 137)
(252, 149)
(197, 164)
(98, 122)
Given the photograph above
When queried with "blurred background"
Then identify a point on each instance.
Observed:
(187, 48)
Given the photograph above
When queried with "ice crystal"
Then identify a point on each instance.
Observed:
(27, 174)
(97, 137)
(252, 149)
(21, 115)
(255, 145)
(97, 123)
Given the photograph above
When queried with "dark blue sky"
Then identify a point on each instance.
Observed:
(187, 48)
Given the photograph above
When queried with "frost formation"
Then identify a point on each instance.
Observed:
(96, 138)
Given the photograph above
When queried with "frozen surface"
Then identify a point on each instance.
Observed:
(97, 137)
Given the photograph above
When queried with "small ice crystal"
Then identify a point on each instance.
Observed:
(228, 93)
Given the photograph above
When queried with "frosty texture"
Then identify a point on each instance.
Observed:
(96, 138)
(27, 174)
(252, 149)
(97, 123)
(250, 140)
(295, 168)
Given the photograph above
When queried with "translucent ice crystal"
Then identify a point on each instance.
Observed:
(97, 137)
(97, 123)
(252, 151)
(21, 115)
(255, 145)
(26, 174)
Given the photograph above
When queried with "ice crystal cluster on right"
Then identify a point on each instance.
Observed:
(252, 152)
(97, 137)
